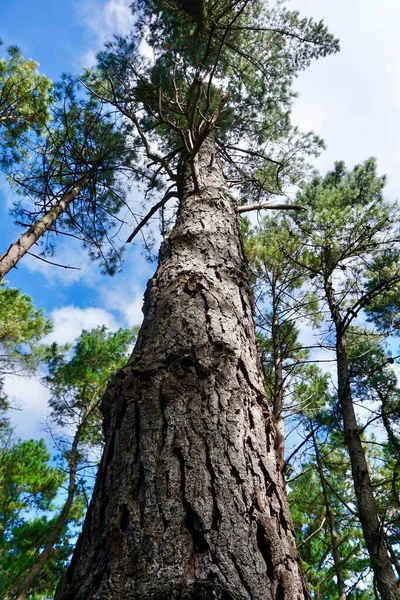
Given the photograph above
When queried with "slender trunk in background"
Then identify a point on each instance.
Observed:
(24, 243)
(44, 556)
(278, 382)
(188, 502)
(372, 530)
(54, 535)
(331, 520)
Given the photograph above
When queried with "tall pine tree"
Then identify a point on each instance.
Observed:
(188, 501)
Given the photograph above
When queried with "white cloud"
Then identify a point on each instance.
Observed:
(68, 253)
(89, 59)
(29, 405)
(104, 19)
(351, 99)
(29, 398)
(69, 321)
(126, 295)
(128, 304)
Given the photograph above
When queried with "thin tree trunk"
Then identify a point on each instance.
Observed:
(373, 534)
(278, 382)
(331, 521)
(18, 249)
(394, 442)
(56, 532)
(53, 537)
(188, 503)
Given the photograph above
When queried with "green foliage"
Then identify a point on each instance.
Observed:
(20, 322)
(25, 100)
(32, 490)
(221, 67)
(77, 384)
(28, 491)
(83, 138)
(21, 328)
(348, 226)
(383, 310)
(308, 510)
(346, 246)
(274, 251)
(283, 297)
(375, 385)
(326, 464)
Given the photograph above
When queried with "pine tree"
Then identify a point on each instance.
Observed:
(25, 100)
(73, 182)
(188, 501)
(349, 233)
(282, 299)
(21, 328)
(77, 384)
(28, 491)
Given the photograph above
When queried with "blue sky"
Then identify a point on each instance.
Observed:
(350, 99)
(50, 31)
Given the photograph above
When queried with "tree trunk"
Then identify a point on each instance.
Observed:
(278, 381)
(331, 520)
(367, 509)
(73, 461)
(188, 503)
(18, 249)
(44, 556)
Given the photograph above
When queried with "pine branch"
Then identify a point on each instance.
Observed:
(249, 207)
(151, 212)
(53, 263)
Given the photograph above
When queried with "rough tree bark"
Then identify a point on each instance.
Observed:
(18, 249)
(372, 530)
(188, 502)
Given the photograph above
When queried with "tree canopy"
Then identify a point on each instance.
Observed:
(25, 100)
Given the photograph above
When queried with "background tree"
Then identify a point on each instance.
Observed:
(365, 248)
(283, 298)
(328, 528)
(22, 327)
(25, 100)
(374, 384)
(77, 385)
(349, 230)
(28, 501)
(75, 181)
(178, 99)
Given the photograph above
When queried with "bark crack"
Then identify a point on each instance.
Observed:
(241, 576)
(192, 520)
(265, 550)
(260, 394)
(216, 515)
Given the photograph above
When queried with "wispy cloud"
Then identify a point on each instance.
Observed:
(103, 20)
(29, 398)
(351, 99)
(125, 297)
(69, 254)
(69, 321)
(29, 402)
